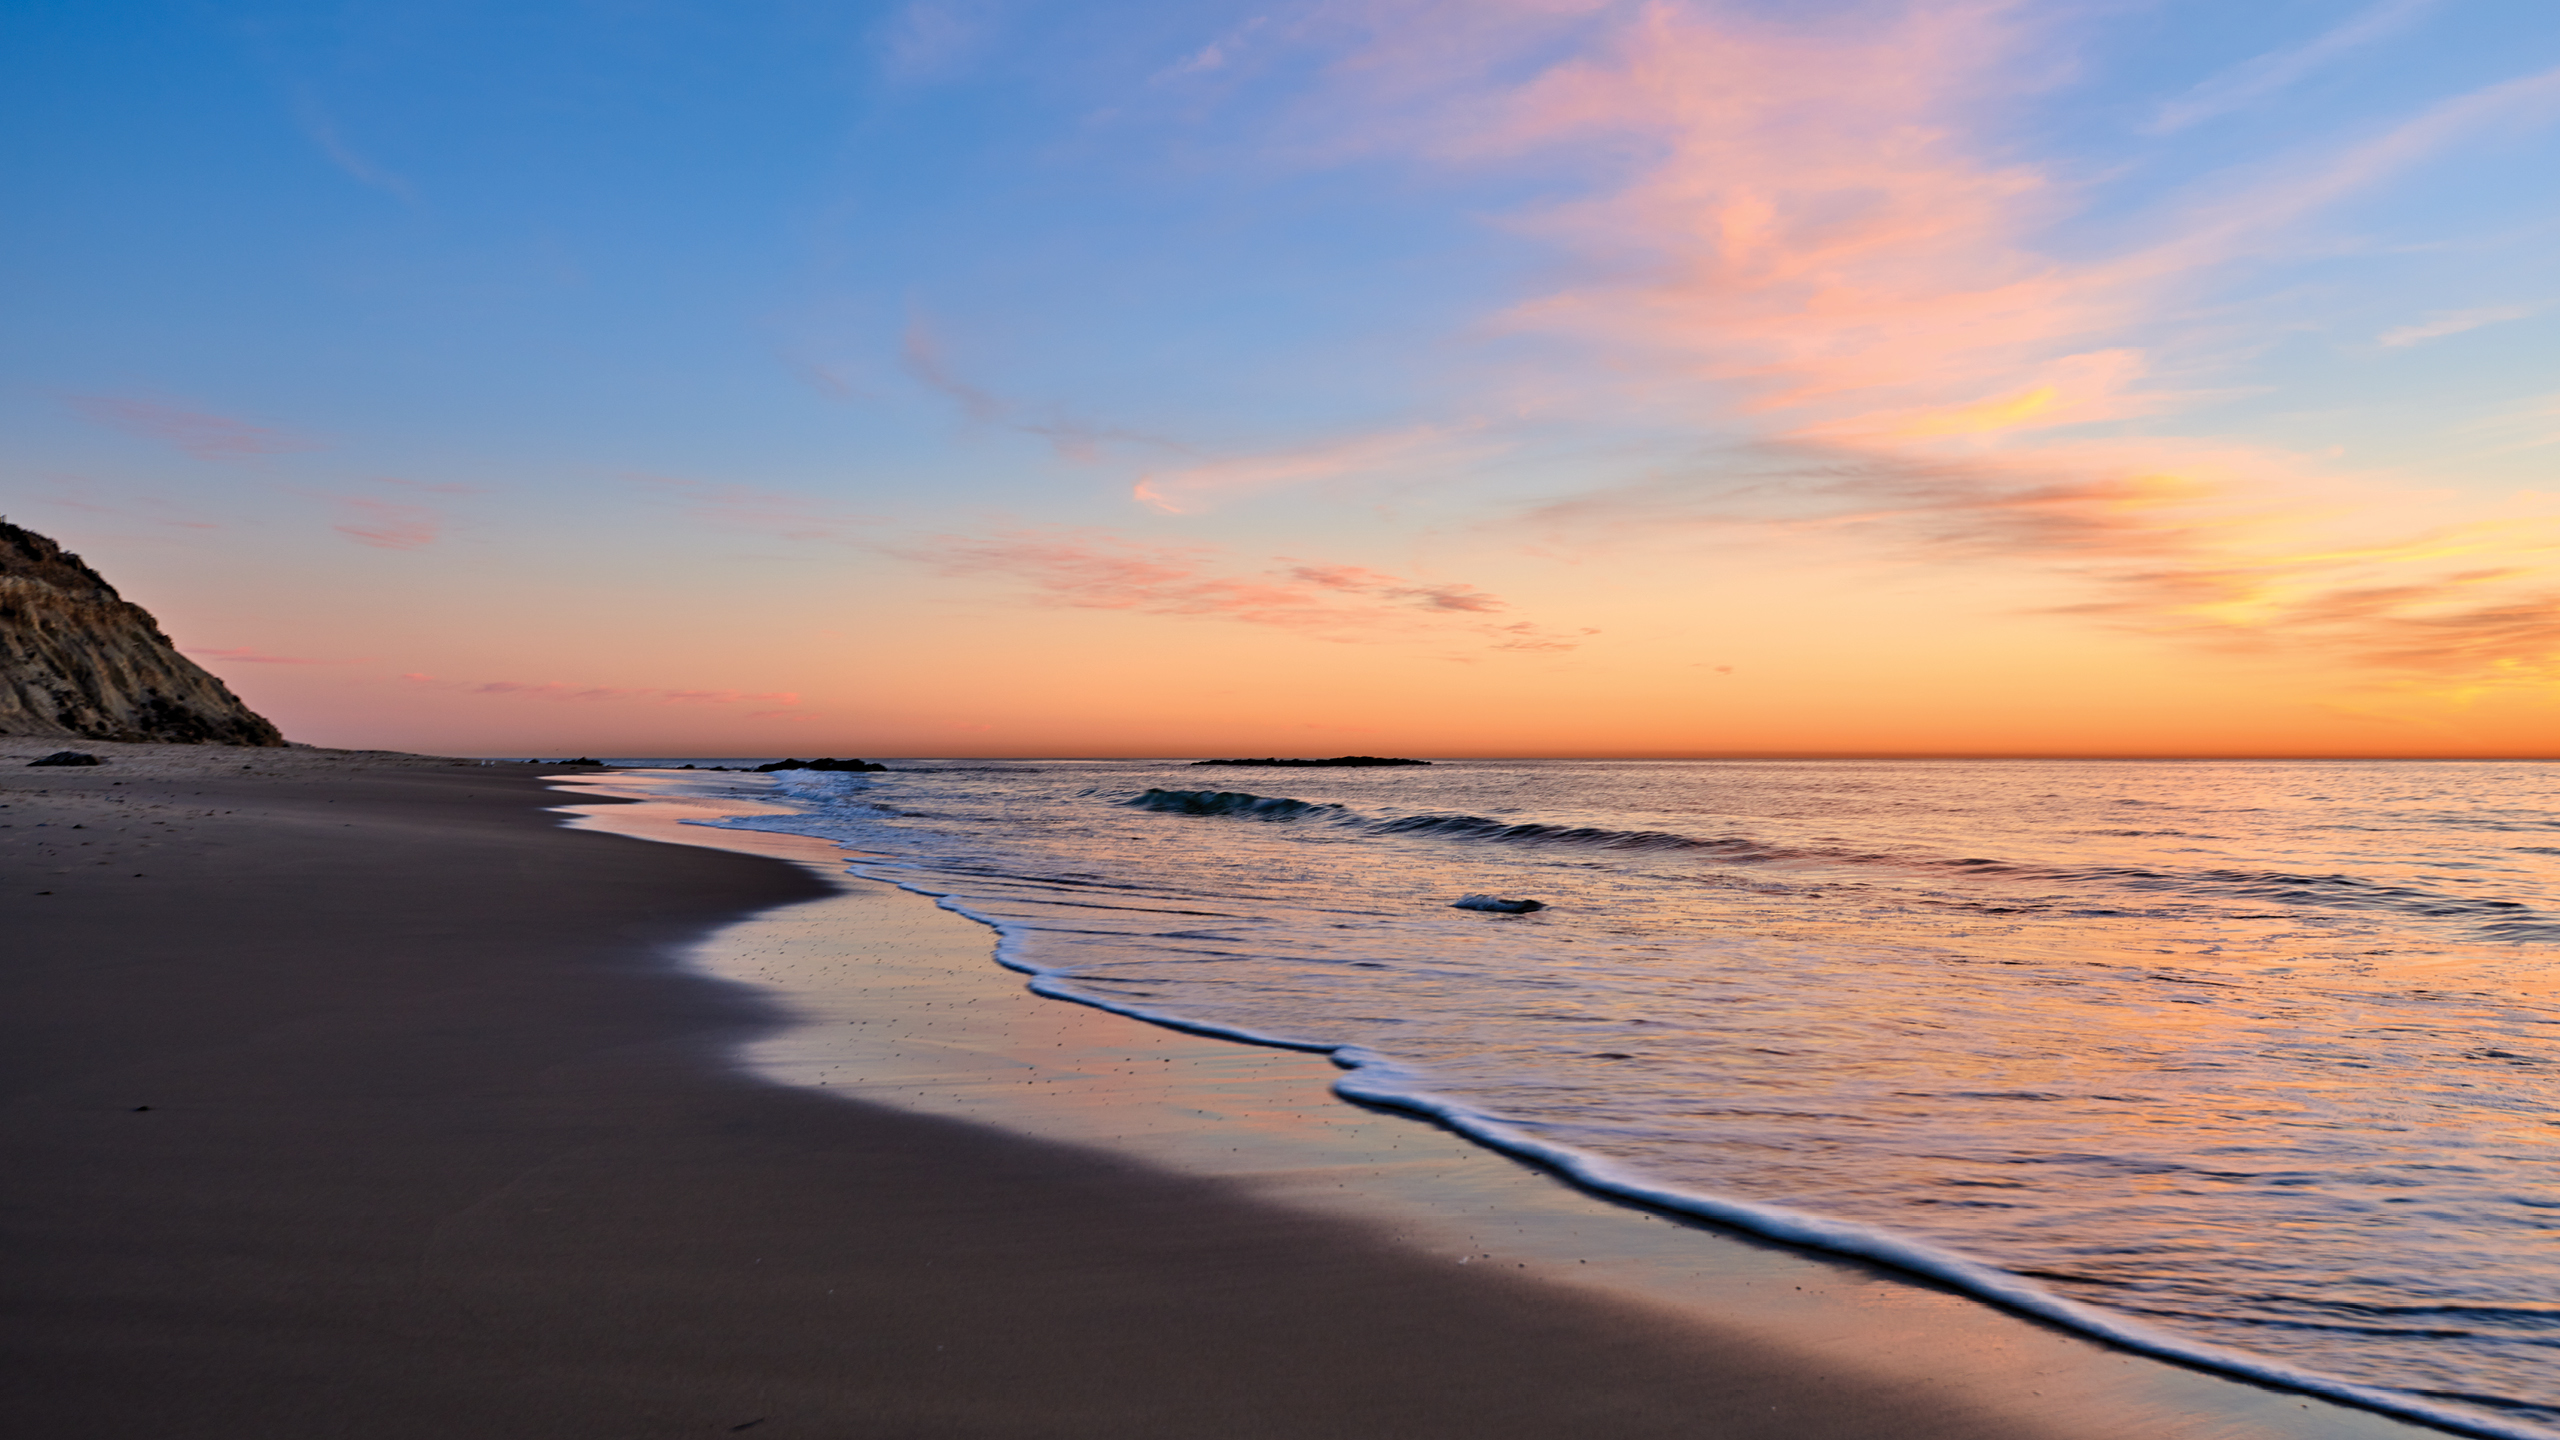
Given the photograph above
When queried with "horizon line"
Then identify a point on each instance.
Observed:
(2163, 756)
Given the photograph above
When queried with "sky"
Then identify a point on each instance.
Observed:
(1491, 378)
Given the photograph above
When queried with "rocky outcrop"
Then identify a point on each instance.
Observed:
(1353, 761)
(79, 660)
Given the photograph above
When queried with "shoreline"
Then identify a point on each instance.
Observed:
(356, 1094)
(1132, 1084)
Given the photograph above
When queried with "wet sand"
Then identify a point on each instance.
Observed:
(354, 1095)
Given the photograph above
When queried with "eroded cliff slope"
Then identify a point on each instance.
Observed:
(79, 661)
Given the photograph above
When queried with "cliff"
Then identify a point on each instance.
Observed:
(79, 661)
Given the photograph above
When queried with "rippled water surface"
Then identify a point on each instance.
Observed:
(2260, 1054)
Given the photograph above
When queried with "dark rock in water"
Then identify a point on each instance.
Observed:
(1497, 904)
(68, 757)
(587, 760)
(821, 765)
(1338, 760)
(79, 661)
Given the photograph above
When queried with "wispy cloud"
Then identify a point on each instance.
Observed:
(2449, 322)
(386, 525)
(1090, 444)
(1410, 451)
(931, 39)
(323, 131)
(2262, 202)
(393, 524)
(826, 378)
(2526, 425)
(2262, 76)
(782, 514)
(77, 493)
(920, 351)
(1092, 570)
(561, 690)
(1216, 55)
(202, 435)
(259, 657)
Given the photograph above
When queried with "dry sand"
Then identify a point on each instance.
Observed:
(349, 1094)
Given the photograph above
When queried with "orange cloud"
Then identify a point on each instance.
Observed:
(1094, 571)
(2221, 546)
(562, 690)
(206, 437)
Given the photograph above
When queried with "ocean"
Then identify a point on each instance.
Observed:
(2253, 1063)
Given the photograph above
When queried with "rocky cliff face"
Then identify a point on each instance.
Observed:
(78, 660)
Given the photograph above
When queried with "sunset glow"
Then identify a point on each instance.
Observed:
(1520, 377)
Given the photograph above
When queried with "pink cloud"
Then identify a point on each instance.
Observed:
(204, 436)
(1095, 571)
(1802, 217)
(1813, 228)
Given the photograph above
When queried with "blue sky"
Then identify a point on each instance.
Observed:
(2087, 377)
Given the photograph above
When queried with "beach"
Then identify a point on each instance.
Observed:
(355, 1094)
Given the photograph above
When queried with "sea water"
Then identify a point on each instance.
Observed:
(2255, 1062)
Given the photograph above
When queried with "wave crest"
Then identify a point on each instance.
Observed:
(1235, 803)
(1476, 827)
